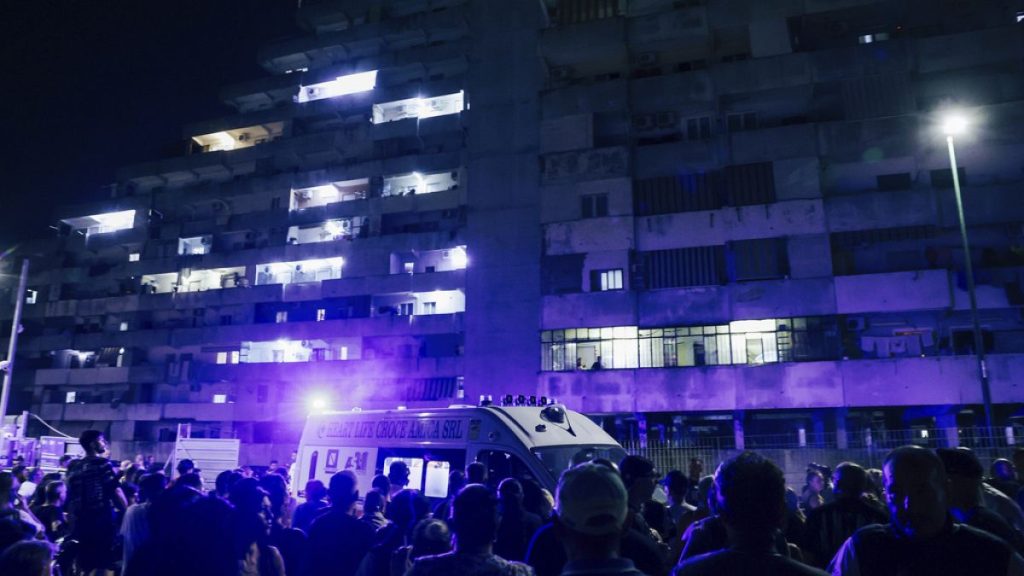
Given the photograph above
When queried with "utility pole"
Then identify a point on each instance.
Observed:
(12, 348)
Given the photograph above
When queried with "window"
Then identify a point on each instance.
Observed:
(123, 327)
(680, 267)
(234, 356)
(698, 128)
(275, 203)
(405, 309)
(897, 181)
(604, 280)
(321, 314)
(281, 317)
(869, 38)
(343, 353)
(760, 259)
(594, 205)
(418, 108)
(340, 86)
(134, 257)
(69, 397)
(222, 357)
(408, 267)
(220, 398)
(31, 296)
(430, 307)
(741, 121)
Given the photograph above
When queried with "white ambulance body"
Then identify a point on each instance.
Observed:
(536, 442)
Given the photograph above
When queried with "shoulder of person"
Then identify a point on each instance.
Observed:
(975, 535)
(516, 568)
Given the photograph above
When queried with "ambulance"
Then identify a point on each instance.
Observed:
(524, 441)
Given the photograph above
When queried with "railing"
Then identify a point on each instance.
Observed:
(865, 447)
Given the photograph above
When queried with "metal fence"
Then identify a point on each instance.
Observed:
(793, 453)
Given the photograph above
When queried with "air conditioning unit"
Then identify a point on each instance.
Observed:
(645, 59)
(667, 119)
(643, 121)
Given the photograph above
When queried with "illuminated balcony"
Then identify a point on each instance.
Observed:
(193, 280)
(340, 86)
(300, 271)
(329, 231)
(238, 138)
(315, 196)
(419, 303)
(102, 223)
(195, 246)
(283, 351)
(419, 108)
(418, 183)
(428, 261)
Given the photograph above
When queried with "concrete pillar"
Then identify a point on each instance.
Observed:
(947, 424)
(737, 429)
(818, 428)
(842, 441)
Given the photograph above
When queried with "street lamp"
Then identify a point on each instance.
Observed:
(954, 125)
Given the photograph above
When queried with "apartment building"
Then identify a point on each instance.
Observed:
(684, 217)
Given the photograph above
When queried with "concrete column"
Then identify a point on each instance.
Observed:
(947, 423)
(737, 429)
(818, 429)
(842, 441)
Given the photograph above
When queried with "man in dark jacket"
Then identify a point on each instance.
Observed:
(338, 540)
(830, 525)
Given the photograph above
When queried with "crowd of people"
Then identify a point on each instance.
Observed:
(924, 512)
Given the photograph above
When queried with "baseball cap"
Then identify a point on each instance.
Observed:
(591, 499)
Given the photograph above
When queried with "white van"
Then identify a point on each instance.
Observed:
(536, 442)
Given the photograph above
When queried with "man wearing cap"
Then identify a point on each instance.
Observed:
(591, 506)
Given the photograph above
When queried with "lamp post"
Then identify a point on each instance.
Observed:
(952, 126)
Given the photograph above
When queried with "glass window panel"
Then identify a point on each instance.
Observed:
(723, 348)
(739, 348)
(690, 351)
(721, 329)
(644, 333)
(770, 347)
(752, 326)
(570, 334)
(754, 349)
(558, 335)
(800, 323)
(698, 330)
(625, 332)
(625, 353)
(607, 333)
(657, 332)
(607, 349)
(545, 336)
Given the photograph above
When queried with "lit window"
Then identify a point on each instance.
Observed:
(869, 38)
(418, 108)
(281, 317)
(343, 353)
(430, 307)
(300, 271)
(340, 86)
(239, 137)
(1020, 17)
(103, 223)
(31, 296)
(220, 398)
(222, 357)
(123, 327)
(321, 315)
(196, 245)
(134, 257)
(610, 279)
(69, 397)
(234, 356)
(409, 267)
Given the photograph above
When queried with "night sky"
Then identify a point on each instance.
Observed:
(91, 85)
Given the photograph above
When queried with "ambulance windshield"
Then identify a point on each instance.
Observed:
(558, 458)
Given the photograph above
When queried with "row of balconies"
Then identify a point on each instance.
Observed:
(941, 381)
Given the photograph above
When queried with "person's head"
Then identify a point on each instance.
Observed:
(56, 493)
(430, 537)
(850, 480)
(28, 558)
(535, 500)
(510, 493)
(373, 502)
(398, 474)
(151, 486)
(676, 485)
(963, 478)
(474, 518)
(706, 494)
(252, 501)
(751, 495)
(93, 442)
(20, 472)
(591, 510)
(277, 489)
(315, 490)
(186, 466)
(456, 482)
(225, 480)
(915, 491)
(696, 469)
(476, 473)
(190, 480)
(814, 481)
(8, 489)
(639, 477)
(407, 507)
(344, 490)
(381, 483)
(272, 466)
(875, 482)
(1003, 469)
(35, 475)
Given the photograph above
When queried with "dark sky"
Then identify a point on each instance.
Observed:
(90, 85)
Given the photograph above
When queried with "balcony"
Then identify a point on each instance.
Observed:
(331, 193)
(239, 138)
(101, 223)
(193, 280)
(941, 381)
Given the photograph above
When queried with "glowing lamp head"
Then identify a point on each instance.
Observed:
(317, 404)
(954, 124)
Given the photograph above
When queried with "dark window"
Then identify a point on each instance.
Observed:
(275, 203)
(944, 178)
(760, 259)
(742, 121)
(898, 181)
(594, 205)
(698, 128)
(562, 274)
(701, 266)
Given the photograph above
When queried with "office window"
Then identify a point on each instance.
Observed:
(134, 257)
(281, 317)
(321, 314)
(604, 280)
(594, 205)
